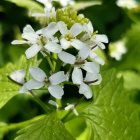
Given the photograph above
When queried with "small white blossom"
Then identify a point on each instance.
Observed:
(46, 3)
(30, 36)
(95, 40)
(68, 37)
(77, 76)
(117, 50)
(40, 80)
(35, 40)
(72, 107)
(127, 3)
(90, 79)
(65, 3)
(87, 51)
(18, 76)
(68, 58)
(48, 13)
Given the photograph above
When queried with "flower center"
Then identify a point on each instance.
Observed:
(79, 62)
(68, 37)
(42, 40)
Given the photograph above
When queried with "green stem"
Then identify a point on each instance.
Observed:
(58, 101)
(43, 105)
(50, 63)
(64, 119)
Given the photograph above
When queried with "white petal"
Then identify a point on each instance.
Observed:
(89, 28)
(54, 39)
(33, 84)
(50, 12)
(91, 77)
(53, 103)
(76, 29)
(75, 112)
(101, 38)
(91, 67)
(28, 29)
(100, 45)
(69, 107)
(64, 43)
(40, 31)
(38, 15)
(58, 78)
(62, 28)
(19, 42)
(18, 76)
(51, 29)
(78, 44)
(53, 47)
(77, 76)
(67, 57)
(23, 89)
(29, 34)
(85, 90)
(32, 51)
(84, 52)
(37, 74)
(32, 37)
(56, 91)
(47, 3)
(98, 59)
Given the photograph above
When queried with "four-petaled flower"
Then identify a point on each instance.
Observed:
(42, 40)
(40, 79)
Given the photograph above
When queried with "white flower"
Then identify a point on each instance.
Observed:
(90, 79)
(95, 40)
(65, 3)
(40, 40)
(48, 13)
(87, 51)
(30, 36)
(127, 3)
(92, 76)
(68, 58)
(18, 76)
(46, 3)
(117, 49)
(40, 80)
(68, 37)
(72, 107)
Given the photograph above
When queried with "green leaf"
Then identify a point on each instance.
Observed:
(131, 60)
(113, 115)
(8, 88)
(47, 128)
(29, 4)
(85, 4)
(131, 80)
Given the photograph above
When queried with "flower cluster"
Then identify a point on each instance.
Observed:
(74, 44)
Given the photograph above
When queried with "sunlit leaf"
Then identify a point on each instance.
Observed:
(131, 80)
(113, 115)
(29, 4)
(47, 128)
(131, 60)
(85, 4)
(8, 88)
